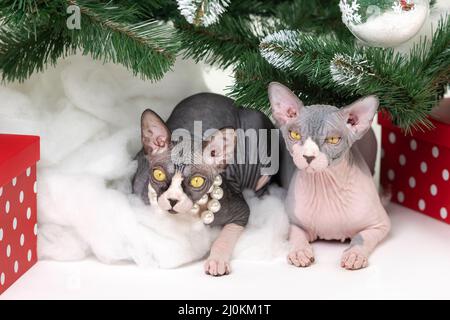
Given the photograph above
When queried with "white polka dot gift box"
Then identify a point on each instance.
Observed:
(416, 167)
(18, 192)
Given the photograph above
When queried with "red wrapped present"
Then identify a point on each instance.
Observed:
(18, 218)
(416, 167)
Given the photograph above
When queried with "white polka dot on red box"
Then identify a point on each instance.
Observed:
(443, 212)
(392, 137)
(421, 204)
(400, 197)
(413, 145)
(412, 182)
(445, 174)
(423, 167)
(433, 190)
(402, 159)
(435, 151)
(391, 174)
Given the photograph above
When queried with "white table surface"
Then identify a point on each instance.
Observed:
(414, 262)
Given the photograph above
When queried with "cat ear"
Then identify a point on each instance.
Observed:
(285, 104)
(155, 135)
(359, 115)
(219, 147)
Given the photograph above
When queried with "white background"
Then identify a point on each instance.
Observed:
(414, 262)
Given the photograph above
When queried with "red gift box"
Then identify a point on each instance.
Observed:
(416, 167)
(18, 205)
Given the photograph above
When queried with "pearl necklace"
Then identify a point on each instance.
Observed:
(209, 201)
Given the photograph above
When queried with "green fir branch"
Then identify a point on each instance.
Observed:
(221, 44)
(202, 12)
(108, 32)
(358, 72)
(301, 43)
(253, 75)
(26, 48)
(105, 36)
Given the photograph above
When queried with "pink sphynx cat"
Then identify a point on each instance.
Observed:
(332, 195)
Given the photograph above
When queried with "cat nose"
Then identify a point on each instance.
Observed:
(309, 158)
(173, 202)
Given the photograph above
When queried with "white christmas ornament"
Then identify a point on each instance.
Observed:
(384, 23)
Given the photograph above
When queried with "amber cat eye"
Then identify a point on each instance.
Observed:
(197, 181)
(333, 140)
(295, 135)
(159, 175)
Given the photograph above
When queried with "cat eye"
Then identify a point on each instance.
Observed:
(295, 135)
(333, 140)
(197, 181)
(159, 175)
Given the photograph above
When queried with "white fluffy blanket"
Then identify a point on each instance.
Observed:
(87, 115)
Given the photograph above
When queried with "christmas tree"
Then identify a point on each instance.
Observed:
(301, 43)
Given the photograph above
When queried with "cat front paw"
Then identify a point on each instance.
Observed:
(217, 267)
(301, 257)
(354, 258)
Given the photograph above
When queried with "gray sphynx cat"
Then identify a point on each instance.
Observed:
(178, 185)
(332, 195)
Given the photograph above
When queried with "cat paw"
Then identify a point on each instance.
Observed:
(354, 258)
(217, 267)
(303, 257)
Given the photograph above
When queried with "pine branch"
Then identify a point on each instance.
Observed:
(263, 8)
(436, 63)
(253, 75)
(348, 70)
(105, 36)
(108, 32)
(21, 11)
(301, 43)
(25, 49)
(161, 10)
(354, 71)
(202, 12)
(221, 44)
(20, 7)
(307, 15)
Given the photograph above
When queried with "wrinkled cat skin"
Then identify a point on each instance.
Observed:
(332, 195)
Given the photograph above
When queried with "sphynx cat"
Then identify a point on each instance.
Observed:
(176, 184)
(332, 195)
